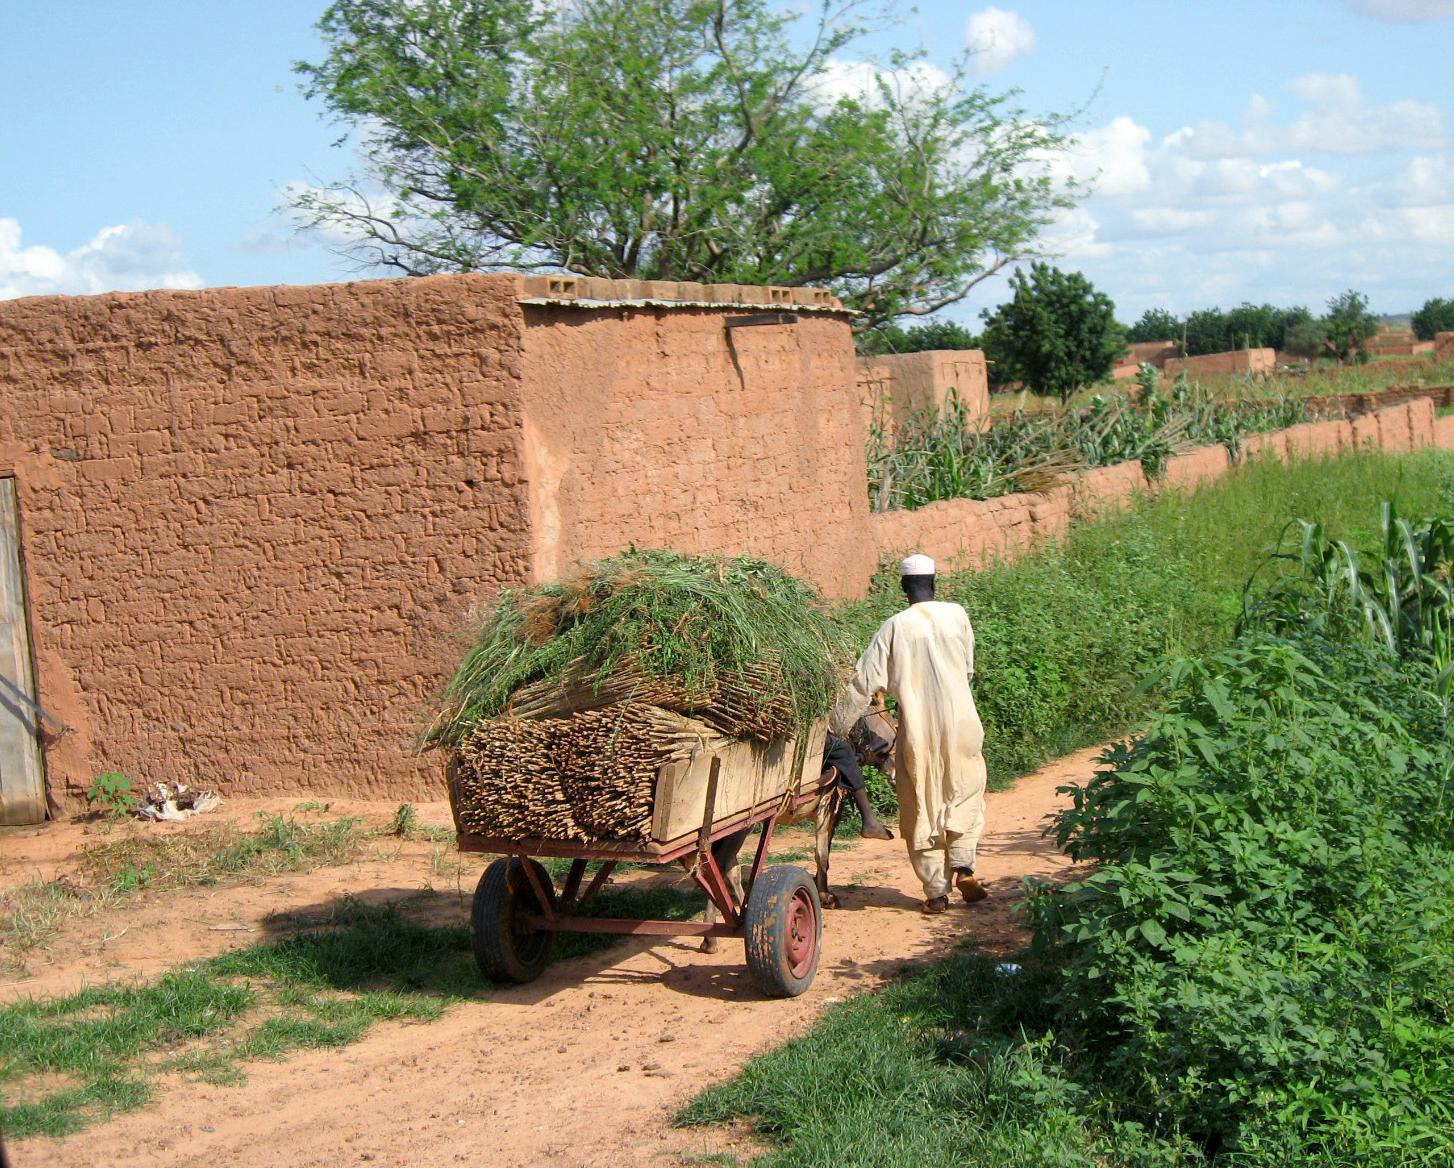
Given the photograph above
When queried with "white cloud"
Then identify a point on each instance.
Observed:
(1410, 10)
(1218, 228)
(996, 38)
(1340, 122)
(123, 258)
(1111, 160)
(860, 81)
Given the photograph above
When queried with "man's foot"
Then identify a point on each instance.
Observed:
(937, 904)
(969, 888)
(875, 830)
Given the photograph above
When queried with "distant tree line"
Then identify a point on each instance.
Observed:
(1058, 333)
(1436, 316)
(1211, 330)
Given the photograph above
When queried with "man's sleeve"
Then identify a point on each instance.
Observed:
(870, 678)
(969, 648)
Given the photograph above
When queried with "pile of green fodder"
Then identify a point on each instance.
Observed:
(575, 693)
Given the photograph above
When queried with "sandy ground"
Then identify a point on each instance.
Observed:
(583, 1067)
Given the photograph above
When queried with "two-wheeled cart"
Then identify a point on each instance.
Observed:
(720, 792)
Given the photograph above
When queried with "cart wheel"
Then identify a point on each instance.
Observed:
(506, 946)
(783, 924)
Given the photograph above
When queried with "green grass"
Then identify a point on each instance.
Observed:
(924, 1074)
(71, 1061)
(1065, 635)
(206, 854)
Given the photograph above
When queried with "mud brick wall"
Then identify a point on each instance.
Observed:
(661, 426)
(1237, 361)
(250, 518)
(907, 382)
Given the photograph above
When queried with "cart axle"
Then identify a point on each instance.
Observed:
(624, 926)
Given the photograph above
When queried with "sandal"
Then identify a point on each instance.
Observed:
(937, 904)
(970, 888)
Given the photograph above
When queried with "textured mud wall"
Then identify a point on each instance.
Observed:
(905, 382)
(662, 427)
(251, 517)
(1238, 361)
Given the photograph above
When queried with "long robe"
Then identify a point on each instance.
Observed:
(924, 657)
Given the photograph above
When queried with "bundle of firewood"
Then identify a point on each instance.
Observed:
(585, 775)
(738, 705)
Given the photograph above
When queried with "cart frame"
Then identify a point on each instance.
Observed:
(800, 944)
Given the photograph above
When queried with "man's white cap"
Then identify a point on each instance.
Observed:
(917, 566)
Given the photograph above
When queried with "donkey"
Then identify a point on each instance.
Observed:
(872, 739)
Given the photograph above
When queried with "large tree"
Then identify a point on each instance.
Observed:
(1436, 316)
(698, 140)
(1055, 335)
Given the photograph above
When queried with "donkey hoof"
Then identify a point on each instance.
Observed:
(828, 900)
(709, 945)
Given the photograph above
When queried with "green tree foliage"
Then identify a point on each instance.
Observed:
(1349, 326)
(1156, 324)
(1055, 335)
(1248, 326)
(1436, 316)
(698, 140)
(917, 338)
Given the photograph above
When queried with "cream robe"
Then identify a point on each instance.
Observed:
(924, 657)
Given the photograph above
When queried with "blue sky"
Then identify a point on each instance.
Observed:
(1280, 151)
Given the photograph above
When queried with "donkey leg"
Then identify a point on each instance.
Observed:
(830, 808)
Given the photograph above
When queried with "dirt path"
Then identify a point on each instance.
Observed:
(581, 1068)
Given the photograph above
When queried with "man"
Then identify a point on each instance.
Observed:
(924, 657)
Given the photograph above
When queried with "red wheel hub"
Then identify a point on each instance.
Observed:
(802, 943)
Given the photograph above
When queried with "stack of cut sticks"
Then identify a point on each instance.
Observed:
(584, 775)
(734, 706)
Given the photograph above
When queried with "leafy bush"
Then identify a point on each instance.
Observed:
(1248, 326)
(917, 338)
(1055, 335)
(1267, 944)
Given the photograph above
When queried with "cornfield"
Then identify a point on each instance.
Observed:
(945, 454)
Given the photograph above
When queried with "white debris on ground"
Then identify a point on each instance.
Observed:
(169, 801)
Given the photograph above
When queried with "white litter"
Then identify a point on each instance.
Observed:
(172, 801)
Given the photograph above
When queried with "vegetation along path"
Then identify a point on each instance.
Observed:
(583, 1067)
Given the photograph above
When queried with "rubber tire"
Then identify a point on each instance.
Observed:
(783, 927)
(505, 948)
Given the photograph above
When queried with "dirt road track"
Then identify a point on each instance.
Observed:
(583, 1068)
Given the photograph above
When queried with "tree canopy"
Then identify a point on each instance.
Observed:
(1156, 324)
(1055, 335)
(1436, 316)
(917, 338)
(696, 140)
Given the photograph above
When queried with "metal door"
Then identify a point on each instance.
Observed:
(22, 781)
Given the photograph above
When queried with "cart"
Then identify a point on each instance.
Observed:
(727, 787)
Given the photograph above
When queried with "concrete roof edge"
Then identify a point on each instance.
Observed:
(651, 302)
